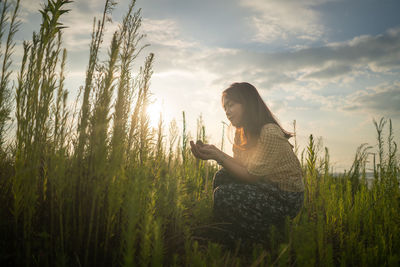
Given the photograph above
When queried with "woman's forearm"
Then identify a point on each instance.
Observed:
(235, 168)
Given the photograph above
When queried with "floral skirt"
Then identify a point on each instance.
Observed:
(247, 211)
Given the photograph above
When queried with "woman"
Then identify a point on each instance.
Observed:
(262, 183)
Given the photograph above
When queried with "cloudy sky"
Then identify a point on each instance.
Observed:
(331, 65)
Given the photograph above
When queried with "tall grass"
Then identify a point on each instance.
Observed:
(109, 190)
(5, 88)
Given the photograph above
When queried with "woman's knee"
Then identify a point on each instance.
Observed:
(223, 195)
(218, 193)
(220, 177)
(223, 202)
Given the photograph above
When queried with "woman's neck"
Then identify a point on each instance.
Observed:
(251, 139)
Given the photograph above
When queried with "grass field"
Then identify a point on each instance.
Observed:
(103, 188)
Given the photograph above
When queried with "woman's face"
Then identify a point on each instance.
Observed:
(233, 111)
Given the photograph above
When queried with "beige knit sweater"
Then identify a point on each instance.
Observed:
(273, 159)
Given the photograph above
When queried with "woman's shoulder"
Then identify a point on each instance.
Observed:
(271, 128)
(271, 132)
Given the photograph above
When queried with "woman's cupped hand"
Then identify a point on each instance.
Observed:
(204, 151)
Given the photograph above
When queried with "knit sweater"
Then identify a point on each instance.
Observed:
(273, 159)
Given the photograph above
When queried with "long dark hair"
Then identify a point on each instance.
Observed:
(256, 113)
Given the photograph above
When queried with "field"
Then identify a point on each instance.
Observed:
(95, 185)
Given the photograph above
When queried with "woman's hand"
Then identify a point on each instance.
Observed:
(204, 151)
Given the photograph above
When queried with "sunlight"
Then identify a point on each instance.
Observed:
(154, 110)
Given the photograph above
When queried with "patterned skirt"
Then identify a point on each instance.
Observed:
(247, 211)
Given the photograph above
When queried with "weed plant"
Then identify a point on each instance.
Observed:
(106, 189)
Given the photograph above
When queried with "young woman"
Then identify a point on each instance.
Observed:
(262, 183)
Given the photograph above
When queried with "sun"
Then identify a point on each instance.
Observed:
(154, 110)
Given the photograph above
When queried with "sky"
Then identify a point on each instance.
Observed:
(331, 65)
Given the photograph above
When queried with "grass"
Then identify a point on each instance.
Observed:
(106, 189)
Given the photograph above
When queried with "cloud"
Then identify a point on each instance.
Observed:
(319, 77)
(329, 72)
(381, 50)
(265, 79)
(384, 98)
(312, 67)
(164, 32)
(307, 72)
(29, 7)
(79, 23)
(281, 20)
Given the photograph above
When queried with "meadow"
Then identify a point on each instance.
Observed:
(94, 184)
